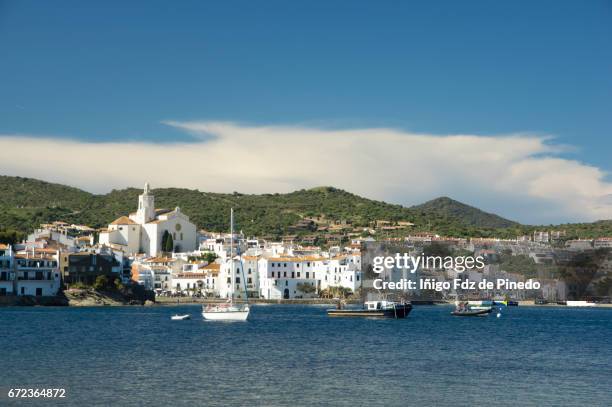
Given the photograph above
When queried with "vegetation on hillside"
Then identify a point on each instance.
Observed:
(25, 203)
(470, 215)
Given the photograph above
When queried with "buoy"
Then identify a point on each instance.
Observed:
(498, 314)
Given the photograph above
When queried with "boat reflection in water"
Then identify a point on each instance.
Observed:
(374, 309)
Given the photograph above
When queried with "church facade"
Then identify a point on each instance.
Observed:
(143, 230)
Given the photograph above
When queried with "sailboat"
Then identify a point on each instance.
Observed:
(229, 311)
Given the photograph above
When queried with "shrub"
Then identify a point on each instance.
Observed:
(101, 283)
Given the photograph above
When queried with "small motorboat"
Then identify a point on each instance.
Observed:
(374, 309)
(467, 312)
(180, 317)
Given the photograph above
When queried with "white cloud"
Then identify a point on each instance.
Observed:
(518, 176)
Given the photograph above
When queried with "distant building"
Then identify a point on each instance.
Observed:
(143, 230)
(579, 244)
(7, 273)
(602, 242)
(85, 268)
(36, 274)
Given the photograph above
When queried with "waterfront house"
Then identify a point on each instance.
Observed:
(197, 278)
(85, 267)
(37, 274)
(7, 273)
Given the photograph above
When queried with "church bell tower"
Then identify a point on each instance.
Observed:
(146, 206)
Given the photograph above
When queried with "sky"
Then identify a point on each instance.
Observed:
(502, 105)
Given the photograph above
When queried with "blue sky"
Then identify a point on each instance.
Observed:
(114, 71)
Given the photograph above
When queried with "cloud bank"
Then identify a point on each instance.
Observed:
(521, 176)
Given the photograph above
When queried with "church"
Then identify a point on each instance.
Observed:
(143, 230)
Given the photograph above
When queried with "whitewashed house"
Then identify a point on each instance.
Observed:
(7, 273)
(197, 278)
(155, 273)
(37, 274)
(286, 277)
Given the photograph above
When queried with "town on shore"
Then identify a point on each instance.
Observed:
(160, 251)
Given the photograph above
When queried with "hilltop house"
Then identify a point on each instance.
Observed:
(143, 230)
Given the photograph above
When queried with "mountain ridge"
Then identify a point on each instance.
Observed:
(468, 213)
(27, 202)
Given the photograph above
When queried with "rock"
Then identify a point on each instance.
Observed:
(148, 303)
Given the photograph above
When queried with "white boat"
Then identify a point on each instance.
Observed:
(580, 304)
(180, 317)
(228, 311)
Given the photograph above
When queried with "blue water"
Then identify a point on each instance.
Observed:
(297, 356)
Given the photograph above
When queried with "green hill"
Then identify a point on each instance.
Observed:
(467, 214)
(26, 202)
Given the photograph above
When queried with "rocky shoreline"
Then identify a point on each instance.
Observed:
(81, 298)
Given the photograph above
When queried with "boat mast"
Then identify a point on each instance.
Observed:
(232, 278)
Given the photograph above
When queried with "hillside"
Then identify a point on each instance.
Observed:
(25, 203)
(467, 214)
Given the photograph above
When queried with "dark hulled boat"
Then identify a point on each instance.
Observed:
(374, 309)
(472, 312)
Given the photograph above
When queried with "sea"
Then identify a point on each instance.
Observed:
(294, 355)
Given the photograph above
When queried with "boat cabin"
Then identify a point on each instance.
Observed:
(377, 305)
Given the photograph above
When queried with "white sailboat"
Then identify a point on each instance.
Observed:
(228, 311)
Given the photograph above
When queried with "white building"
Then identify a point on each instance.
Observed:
(286, 277)
(7, 273)
(143, 230)
(155, 273)
(37, 275)
(197, 278)
(602, 242)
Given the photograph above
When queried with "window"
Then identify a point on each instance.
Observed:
(293, 274)
(38, 292)
(181, 235)
(249, 270)
(284, 264)
(238, 280)
(284, 274)
(286, 283)
(307, 275)
(298, 274)
(308, 264)
(249, 280)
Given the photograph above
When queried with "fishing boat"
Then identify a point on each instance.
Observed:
(374, 309)
(229, 311)
(180, 317)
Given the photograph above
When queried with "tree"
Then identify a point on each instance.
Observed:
(169, 247)
(101, 283)
(118, 284)
(210, 257)
(306, 288)
(167, 243)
